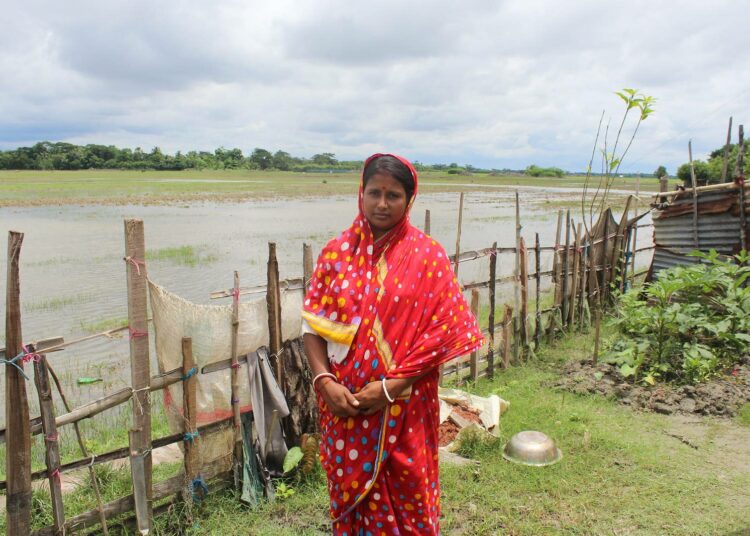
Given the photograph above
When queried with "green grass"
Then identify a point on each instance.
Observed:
(622, 472)
(58, 303)
(104, 325)
(30, 188)
(743, 415)
(182, 255)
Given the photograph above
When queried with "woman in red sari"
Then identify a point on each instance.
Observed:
(382, 312)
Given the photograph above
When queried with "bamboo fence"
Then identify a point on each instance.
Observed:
(580, 280)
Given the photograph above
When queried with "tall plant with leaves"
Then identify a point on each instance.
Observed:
(638, 107)
(686, 326)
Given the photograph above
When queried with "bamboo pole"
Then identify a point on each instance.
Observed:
(427, 221)
(140, 436)
(235, 378)
(696, 243)
(538, 278)
(725, 160)
(491, 337)
(517, 286)
(556, 265)
(575, 277)
(635, 229)
(138, 475)
(507, 322)
(619, 244)
(458, 231)
(273, 303)
(582, 285)
(84, 452)
(565, 269)
(524, 313)
(741, 181)
(51, 444)
(307, 266)
(604, 287)
(474, 365)
(18, 438)
(189, 413)
(597, 333)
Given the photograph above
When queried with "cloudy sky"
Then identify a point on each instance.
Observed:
(489, 83)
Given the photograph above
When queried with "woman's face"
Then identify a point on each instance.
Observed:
(384, 203)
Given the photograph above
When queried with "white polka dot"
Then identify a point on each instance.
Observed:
(353, 454)
(369, 249)
(345, 284)
(392, 439)
(344, 246)
(376, 496)
(365, 424)
(340, 444)
(340, 472)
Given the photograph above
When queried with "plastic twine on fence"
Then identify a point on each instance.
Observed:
(135, 262)
(25, 356)
(191, 436)
(198, 485)
(190, 373)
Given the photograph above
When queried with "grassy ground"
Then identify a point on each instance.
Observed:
(31, 188)
(622, 472)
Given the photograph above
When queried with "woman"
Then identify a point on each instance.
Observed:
(382, 311)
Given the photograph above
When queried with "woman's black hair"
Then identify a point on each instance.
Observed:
(390, 165)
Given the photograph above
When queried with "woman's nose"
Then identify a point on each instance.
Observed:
(382, 201)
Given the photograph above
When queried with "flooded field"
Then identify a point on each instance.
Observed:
(73, 275)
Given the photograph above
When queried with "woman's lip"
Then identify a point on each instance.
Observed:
(380, 216)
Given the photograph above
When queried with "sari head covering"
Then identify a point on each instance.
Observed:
(397, 306)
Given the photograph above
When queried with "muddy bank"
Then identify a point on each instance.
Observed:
(722, 396)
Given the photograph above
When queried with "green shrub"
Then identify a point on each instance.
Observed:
(689, 324)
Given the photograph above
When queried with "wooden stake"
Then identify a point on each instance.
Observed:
(138, 474)
(635, 228)
(140, 436)
(739, 173)
(597, 332)
(507, 322)
(458, 232)
(604, 287)
(565, 270)
(725, 162)
(538, 281)
(491, 337)
(273, 303)
(473, 365)
(524, 313)
(18, 436)
(51, 444)
(575, 277)
(189, 413)
(235, 377)
(307, 266)
(517, 286)
(695, 196)
(427, 221)
(616, 261)
(582, 285)
(556, 265)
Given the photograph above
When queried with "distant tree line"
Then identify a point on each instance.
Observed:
(536, 171)
(709, 172)
(67, 156)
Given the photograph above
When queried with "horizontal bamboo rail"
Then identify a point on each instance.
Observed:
(124, 452)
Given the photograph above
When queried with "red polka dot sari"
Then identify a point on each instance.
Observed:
(397, 305)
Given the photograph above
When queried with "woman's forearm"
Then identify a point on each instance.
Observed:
(316, 350)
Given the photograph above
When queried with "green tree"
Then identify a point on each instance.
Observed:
(660, 172)
(261, 158)
(282, 160)
(325, 159)
(702, 174)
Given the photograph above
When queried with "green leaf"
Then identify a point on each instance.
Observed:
(627, 370)
(292, 459)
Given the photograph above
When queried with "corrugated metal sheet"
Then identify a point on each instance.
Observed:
(718, 228)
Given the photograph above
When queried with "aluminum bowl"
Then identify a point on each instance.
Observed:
(531, 448)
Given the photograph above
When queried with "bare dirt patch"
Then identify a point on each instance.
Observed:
(722, 396)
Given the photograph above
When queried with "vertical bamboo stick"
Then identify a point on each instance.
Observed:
(507, 322)
(635, 228)
(517, 286)
(458, 232)
(473, 365)
(566, 270)
(235, 378)
(604, 287)
(307, 266)
(725, 162)
(427, 221)
(696, 244)
(273, 303)
(17, 429)
(538, 281)
(524, 313)
(597, 332)
(140, 373)
(575, 276)
(741, 182)
(51, 445)
(139, 475)
(556, 265)
(582, 285)
(491, 337)
(189, 413)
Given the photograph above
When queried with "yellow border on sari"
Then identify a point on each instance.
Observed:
(331, 330)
